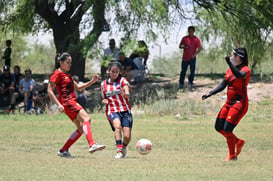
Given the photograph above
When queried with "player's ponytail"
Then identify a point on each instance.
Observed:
(62, 57)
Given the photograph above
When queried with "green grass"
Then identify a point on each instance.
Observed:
(183, 149)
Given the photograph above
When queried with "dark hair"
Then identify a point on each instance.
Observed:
(242, 53)
(114, 64)
(8, 42)
(62, 58)
(17, 67)
(28, 70)
(191, 27)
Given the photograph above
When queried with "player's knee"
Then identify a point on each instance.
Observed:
(219, 124)
(218, 127)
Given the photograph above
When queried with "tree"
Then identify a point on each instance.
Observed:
(68, 18)
(240, 23)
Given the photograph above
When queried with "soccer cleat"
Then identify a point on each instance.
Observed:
(124, 151)
(231, 157)
(11, 111)
(239, 145)
(96, 147)
(119, 155)
(65, 154)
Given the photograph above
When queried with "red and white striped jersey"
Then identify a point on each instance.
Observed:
(111, 92)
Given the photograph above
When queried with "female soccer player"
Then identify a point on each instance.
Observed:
(115, 94)
(66, 102)
(236, 106)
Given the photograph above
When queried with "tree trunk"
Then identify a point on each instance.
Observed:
(66, 39)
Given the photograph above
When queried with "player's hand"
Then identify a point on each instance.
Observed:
(105, 101)
(95, 78)
(61, 108)
(205, 96)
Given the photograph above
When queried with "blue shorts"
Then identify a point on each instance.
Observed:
(126, 118)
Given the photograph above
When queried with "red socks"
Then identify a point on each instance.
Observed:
(231, 141)
(87, 131)
(72, 139)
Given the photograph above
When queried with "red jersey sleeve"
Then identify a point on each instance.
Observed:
(124, 82)
(54, 77)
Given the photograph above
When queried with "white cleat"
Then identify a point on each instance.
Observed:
(119, 155)
(96, 147)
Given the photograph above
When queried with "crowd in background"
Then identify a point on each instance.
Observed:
(22, 91)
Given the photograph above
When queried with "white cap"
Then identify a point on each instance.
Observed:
(45, 81)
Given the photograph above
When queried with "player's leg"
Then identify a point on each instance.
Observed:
(63, 152)
(127, 124)
(82, 122)
(220, 120)
(231, 140)
(115, 118)
(236, 112)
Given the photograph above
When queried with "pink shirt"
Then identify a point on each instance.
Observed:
(193, 43)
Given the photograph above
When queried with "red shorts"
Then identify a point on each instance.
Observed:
(233, 113)
(72, 108)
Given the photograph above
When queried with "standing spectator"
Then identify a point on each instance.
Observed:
(110, 53)
(7, 84)
(7, 53)
(192, 46)
(115, 95)
(80, 93)
(26, 89)
(66, 102)
(236, 106)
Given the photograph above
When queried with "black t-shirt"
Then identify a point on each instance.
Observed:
(6, 80)
(128, 62)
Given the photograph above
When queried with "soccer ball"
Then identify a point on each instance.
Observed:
(144, 146)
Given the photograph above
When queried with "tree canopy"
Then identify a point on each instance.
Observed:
(247, 21)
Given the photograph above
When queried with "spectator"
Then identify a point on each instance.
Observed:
(110, 53)
(7, 53)
(26, 88)
(141, 51)
(15, 96)
(41, 98)
(80, 94)
(6, 84)
(128, 68)
(192, 46)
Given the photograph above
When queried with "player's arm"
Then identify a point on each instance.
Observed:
(125, 91)
(86, 84)
(217, 89)
(236, 72)
(103, 97)
(50, 92)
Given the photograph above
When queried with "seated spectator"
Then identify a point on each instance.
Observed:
(80, 94)
(6, 85)
(141, 51)
(41, 98)
(128, 68)
(15, 97)
(26, 88)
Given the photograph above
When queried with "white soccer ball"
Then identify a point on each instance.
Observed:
(144, 146)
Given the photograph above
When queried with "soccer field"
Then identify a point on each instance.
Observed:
(187, 149)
